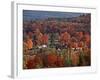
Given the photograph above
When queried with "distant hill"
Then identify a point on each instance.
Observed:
(79, 19)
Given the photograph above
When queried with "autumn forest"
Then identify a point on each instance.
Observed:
(56, 39)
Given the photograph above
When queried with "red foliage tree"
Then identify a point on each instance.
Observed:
(52, 60)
